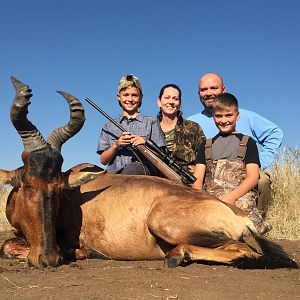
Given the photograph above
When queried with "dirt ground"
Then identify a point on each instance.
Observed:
(103, 279)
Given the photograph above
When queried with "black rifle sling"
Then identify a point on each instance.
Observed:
(137, 156)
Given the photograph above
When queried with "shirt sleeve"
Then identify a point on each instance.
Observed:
(157, 136)
(199, 138)
(201, 154)
(269, 137)
(106, 139)
(252, 155)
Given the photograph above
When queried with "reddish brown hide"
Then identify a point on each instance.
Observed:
(147, 218)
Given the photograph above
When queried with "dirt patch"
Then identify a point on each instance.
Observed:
(103, 279)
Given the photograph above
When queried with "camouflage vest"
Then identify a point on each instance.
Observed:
(185, 142)
(223, 175)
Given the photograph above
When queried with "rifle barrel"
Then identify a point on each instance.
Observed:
(105, 114)
(148, 143)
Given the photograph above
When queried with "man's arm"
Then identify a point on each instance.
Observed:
(270, 146)
(267, 135)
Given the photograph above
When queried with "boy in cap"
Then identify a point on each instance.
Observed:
(114, 146)
(228, 164)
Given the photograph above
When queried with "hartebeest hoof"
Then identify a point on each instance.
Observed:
(174, 258)
(173, 261)
(15, 248)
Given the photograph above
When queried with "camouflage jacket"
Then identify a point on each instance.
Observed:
(188, 136)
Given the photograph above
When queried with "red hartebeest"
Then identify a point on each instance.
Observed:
(84, 211)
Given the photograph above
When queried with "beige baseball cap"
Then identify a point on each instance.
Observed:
(129, 80)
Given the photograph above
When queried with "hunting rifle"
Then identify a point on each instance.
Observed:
(166, 165)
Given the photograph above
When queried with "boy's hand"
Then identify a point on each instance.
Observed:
(227, 198)
(124, 139)
(137, 140)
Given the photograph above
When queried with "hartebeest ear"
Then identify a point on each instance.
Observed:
(11, 177)
(75, 179)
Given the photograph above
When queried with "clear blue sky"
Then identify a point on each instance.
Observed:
(84, 47)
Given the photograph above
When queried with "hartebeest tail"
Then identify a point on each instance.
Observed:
(273, 254)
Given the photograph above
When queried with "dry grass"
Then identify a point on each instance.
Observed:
(284, 211)
(4, 224)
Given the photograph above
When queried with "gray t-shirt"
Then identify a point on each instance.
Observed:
(226, 147)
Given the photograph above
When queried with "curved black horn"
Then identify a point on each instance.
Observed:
(31, 137)
(77, 118)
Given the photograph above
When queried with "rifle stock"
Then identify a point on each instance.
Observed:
(165, 170)
(148, 150)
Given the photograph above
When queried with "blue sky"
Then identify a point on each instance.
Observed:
(84, 47)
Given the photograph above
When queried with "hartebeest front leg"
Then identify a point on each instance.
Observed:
(15, 248)
(228, 253)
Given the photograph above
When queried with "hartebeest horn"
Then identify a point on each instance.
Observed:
(77, 118)
(31, 137)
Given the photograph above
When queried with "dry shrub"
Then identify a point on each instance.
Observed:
(4, 224)
(284, 210)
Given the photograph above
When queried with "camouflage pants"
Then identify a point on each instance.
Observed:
(223, 176)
